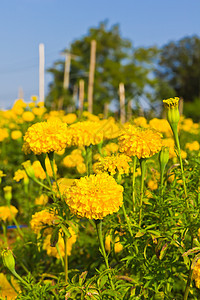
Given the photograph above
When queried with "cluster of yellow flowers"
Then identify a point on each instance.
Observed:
(7, 213)
(42, 219)
(45, 137)
(140, 142)
(95, 196)
(113, 164)
(194, 146)
(20, 174)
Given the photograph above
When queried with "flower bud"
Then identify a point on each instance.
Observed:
(164, 157)
(29, 169)
(173, 115)
(8, 193)
(8, 260)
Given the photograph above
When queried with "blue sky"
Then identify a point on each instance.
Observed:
(56, 23)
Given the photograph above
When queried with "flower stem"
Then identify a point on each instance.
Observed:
(133, 182)
(187, 288)
(175, 131)
(66, 258)
(103, 251)
(127, 220)
(16, 223)
(143, 169)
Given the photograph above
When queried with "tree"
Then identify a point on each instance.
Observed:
(179, 69)
(116, 61)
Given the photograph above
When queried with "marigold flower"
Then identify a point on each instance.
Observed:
(194, 146)
(69, 118)
(3, 134)
(95, 196)
(38, 170)
(173, 115)
(16, 134)
(140, 121)
(20, 174)
(117, 245)
(6, 213)
(109, 149)
(45, 137)
(74, 159)
(63, 184)
(52, 251)
(161, 125)
(140, 142)
(42, 219)
(85, 133)
(7, 291)
(2, 174)
(196, 273)
(41, 200)
(113, 164)
(28, 116)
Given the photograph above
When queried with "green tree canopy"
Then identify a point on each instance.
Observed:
(116, 61)
(179, 69)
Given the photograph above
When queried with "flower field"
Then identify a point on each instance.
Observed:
(94, 209)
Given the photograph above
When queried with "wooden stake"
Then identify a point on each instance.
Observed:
(129, 110)
(106, 110)
(66, 71)
(91, 75)
(20, 93)
(122, 103)
(81, 95)
(41, 72)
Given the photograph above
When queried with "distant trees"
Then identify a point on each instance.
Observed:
(116, 61)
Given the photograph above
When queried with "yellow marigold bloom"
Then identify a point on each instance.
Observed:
(113, 164)
(3, 134)
(140, 121)
(39, 111)
(20, 174)
(63, 184)
(110, 128)
(69, 118)
(161, 125)
(109, 149)
(38, 170)
(31, 104)
(74, 159)
(196, 274)
(40, 104)
(140, 142)
(42, 219)
(6, 213)
(169, 142)
(152, 184)
(171, 102)
(81, 168)
(28, 116)
(52, 251)
(6, 290)
(90, 116)
(61, 152)
(117, 245)
(41, 200)
(46, 137)
(20, 103)
(194, 146)
(34, 98)
(94, 197)
(2, 174)
(16, 134)
(85, 133)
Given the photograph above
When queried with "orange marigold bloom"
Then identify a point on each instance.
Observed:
(95, 196)
(140, 142)
(46, 137)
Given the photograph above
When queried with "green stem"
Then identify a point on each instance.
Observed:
(5, 233)
(161, 183)
(103, 251)
(51, 159)
(127, 220)
(133, 181)
(59, 253)
(143, 169)
(175, 131)
(66, 259)
(16, 223)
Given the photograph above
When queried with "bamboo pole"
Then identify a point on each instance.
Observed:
(122, 103)
(91, 75)
(66, 71)
(81, 95)
(41, 72)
